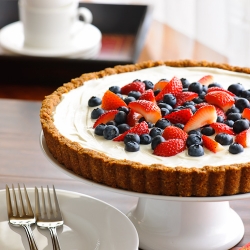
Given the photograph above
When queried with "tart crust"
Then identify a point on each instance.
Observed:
(133, 176)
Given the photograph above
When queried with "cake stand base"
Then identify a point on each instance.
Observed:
(181, 225)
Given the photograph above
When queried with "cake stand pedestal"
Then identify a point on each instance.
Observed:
(169, 222)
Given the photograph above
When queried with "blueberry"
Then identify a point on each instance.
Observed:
(169, 99)
(188, 103)
(94, 101)
(148, 84)
(234, 116)
(230, 123)
(96, 113)
(240, 125)
(132, 146)
(120, 95)
(115, 89)
(214, 84)
(129, 99)
(99, 129)
(207, 131)
(164, 111)
(224, 139)
(135, 94)
(195, 150)
(120, 117)
(185, 82)
(155, 131)
(194, 139)
(123, 127)
(195, 132)
(156, 92)
(198, 100)
(165, 105)
(110, 132)
(124, 109)
(236, 148)
(162, 123)
(220, 119)
(246, 94)
(131, 137)
(242, 103)
(232, 110)
(192, 107)
(236, 88)
(111, 123)
(179, 125)
(195, 87)
(145, 139)
(156, 141)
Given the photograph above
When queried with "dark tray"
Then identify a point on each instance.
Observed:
(124, 28)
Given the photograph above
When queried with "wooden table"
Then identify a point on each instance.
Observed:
(22, 161)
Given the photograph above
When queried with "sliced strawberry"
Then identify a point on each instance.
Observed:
(111, 101)
(172, 132)
(219, 111)
(170, 147)
(220, 99)
(243, 138)
(133, 86)
(148, 95)
(246, 113)
(149, 110)
(211, 144)
(184, 97)
(179, 116)
(203, 116)
(132, 118)
(222, 128)
(206, 80)
(219, 89)
(202, 104)
(173, 87)
(139, 129)
(160, 85)
(106, 117)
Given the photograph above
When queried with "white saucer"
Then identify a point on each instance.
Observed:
(82, 45)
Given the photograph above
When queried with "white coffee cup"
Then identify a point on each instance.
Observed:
(50, 23)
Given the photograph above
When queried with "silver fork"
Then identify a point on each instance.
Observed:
(21, 216)
(50, 218)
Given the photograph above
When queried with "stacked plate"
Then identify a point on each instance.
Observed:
(81, 46)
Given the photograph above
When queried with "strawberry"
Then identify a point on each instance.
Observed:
(220, 99)
(202, 104)
(222, 128)
(172, 132)
(243, 138)
(149, 110)
(211, 144)
(219, 89)
(160, 85)
(106, 117)
(246, 113)
(203, 116)
(136, 85)
(139, 129)
(111, 101)
(245, 247)
(170, 147)
(179, 116)
(219, 111)
(132, 118)
(173, 87)
(206, 80)
(148, 95)
(184, 97)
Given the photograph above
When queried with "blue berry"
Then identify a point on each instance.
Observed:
(99, 129)
(194, 139)
(246, 94)
(240, 125)
(195, 150)
(120, 117)
(129, 99)
(242, 103)
(155, 131)
(157, 91)
(123, 127)
(220, 119)
(145, 139)
(164, 111)
(110, 132)
(195, 131)
(207, 131)
(156, 140)
(131, 137)
(236, 148)
(165, 105)
(232, 110)
(94, 101)
(185, 82)
(162, 123)
(148, 84)
(234, 116)
(124, 109)
(135, 94)
(179, 125)
(214, 84)
(96, 113)
(236, 88)
(132, 146)
(195, 87)
(115, 89)
(224, 139)
(169, 99)
(230, 123)
(111, 123)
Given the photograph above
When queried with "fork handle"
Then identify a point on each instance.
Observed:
(54, 238)
(30, 237)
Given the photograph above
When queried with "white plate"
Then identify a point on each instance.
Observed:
(89, 224)
(85, 40)
(131, 193)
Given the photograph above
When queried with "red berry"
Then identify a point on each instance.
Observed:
(222, 128)
(160, 85)
(133, 86)
(172, 132)
(184, 97)
(111, 101)
(246, 113)
(180, 116)
(106, 117)
(219, 89)
(211, 144)
(148, 95)
(243, 138)
(206, 80)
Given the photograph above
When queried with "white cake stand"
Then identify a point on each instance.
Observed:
(169, 222)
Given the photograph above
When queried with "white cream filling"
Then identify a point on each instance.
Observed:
(72, 116)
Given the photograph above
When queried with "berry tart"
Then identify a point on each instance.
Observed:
(175, 128)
